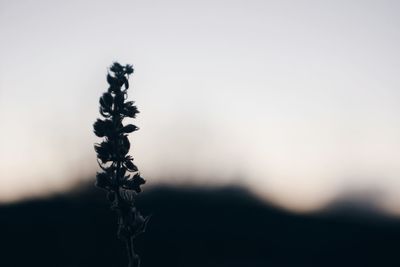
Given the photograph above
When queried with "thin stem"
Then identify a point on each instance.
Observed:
(130, 253)
(135, 258)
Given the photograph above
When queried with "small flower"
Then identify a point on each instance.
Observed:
(116, 67)
(104, 151)
(103, 128)
(134, 183)
(128, 69)
(130, 110)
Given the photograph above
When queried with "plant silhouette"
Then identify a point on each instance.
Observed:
(119, 176)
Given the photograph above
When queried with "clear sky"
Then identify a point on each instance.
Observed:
(298, 100)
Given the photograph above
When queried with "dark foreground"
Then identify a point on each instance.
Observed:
(192, 227)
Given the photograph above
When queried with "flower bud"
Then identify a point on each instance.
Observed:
(103, 127)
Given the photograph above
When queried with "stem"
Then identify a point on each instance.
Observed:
(129, 247)
(135, 258)
(129, 244)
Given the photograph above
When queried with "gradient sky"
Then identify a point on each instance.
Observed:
(297, 99)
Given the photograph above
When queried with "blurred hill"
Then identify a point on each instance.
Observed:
(192, 227)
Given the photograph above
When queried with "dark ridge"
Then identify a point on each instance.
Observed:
(359, 206)
(190, 227)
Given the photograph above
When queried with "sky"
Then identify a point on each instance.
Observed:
(297, 100)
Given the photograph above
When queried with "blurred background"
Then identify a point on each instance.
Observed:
(271, 123)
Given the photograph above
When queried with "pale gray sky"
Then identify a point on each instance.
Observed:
(297, 99)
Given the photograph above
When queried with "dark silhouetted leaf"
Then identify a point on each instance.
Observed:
(103, 180)
(124, 146)
(104, 151)
(129, 128)
(106, 100)
(134, 183)
(130, 166)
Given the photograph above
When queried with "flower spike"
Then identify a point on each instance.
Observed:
(113, 158)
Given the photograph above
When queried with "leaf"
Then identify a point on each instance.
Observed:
(103, 180)
(125, 142)
(129, 103)
(124, 146)
(140, 223)
(129, 128)
(130, 166)
(104, 151)
(134, 183)
(106, 100)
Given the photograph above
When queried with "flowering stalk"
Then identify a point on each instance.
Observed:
(119, 176)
